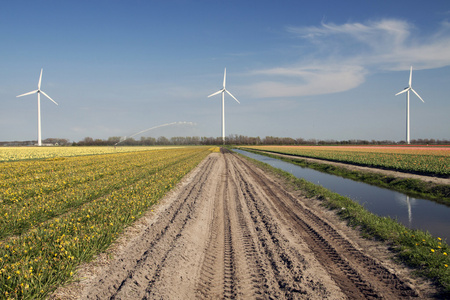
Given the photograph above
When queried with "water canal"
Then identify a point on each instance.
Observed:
(414, 213)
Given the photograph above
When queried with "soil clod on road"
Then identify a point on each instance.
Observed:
(230, 230)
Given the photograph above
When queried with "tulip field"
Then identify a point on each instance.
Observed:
(426, 160)
(58, 213)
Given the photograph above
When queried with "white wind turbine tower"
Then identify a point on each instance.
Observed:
(223, 90)
(406, 90)
(38, 92)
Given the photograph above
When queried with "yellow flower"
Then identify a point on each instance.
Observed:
(445, 253)
(432, 250)
(439, 238)
(446, 265)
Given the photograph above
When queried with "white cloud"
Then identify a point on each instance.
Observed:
(340, 56)
(312, 80)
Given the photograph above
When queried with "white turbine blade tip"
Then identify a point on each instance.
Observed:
(224, 77)
(29, 93)
(410, 76)
(218, 92)
(405, 90)
(40, 79)
(49, 97)
(233, 97)
(417, 95)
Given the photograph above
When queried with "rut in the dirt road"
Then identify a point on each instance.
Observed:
(230, 231)
(358, 275)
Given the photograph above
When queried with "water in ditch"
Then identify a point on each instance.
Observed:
(412, 212)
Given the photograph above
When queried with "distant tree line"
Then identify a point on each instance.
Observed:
(230, 140)
(243, 140)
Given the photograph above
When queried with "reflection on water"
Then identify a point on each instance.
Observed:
(428, 215)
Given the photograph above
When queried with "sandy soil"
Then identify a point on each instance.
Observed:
(230, 230)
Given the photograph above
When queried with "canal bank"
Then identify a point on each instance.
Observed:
(408, 209)
(418, 249)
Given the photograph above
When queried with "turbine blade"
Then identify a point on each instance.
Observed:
(233, 97)
(224, 77)
(29, 93)
(417, 95)
(410, 77)
(40, 79)
(49, 97)
(218, 92)
(405, 90)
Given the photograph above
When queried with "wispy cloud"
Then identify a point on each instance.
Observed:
(308, 80)
(338, 57)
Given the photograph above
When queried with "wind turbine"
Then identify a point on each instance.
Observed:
(223, 90)
(38, 92)
(406, 90)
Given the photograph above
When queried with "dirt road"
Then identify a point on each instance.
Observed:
(229, 230)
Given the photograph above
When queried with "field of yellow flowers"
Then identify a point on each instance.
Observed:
(23, 153)
(58, 213)
(425, 160)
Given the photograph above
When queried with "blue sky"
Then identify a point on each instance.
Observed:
(309, 69)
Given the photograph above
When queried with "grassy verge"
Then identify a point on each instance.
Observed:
(428, 255)
(412, 187)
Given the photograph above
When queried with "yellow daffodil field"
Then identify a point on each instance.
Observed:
(24, 153)
(59, 212)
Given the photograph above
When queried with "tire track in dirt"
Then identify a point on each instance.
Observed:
(265, 266)
(229, 231)
(231, 267)
(137, 280)
(358, 275)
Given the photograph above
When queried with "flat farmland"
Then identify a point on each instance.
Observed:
(30, 153)
(189, 223)
(56, 214)
(232, 230)
(425, 160)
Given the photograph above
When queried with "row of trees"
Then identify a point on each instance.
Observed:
(241, 140)
(230, 140)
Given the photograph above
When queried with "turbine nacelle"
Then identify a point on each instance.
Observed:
(38, 91)
(223, 90)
